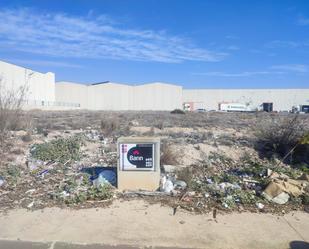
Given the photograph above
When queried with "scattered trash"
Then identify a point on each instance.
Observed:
(1, 181)
(34, 164)
(260, 205)
(166, 185)
(282, 198)
(43, 173)
(279, 190)
(180, 185)
(101, 175)
(225, 185)
(105, 177)
(30, 205)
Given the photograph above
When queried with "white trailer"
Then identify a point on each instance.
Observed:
(234, 107)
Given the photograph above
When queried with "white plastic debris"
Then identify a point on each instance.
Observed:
(166, 185)
(259, 205)
(30, 205)
(180, 184)
(1, 181)
(105, 177)
(281, 198)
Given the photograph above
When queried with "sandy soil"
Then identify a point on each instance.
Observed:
(138, 223)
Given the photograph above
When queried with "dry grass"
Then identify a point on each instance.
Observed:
(276, 137)
(168, 155)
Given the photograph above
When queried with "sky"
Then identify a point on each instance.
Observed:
(193, 43)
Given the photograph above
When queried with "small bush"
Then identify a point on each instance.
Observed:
(109, 126)
(59, 150)
(178, 111)
(11, 101)
(278, 137)
(168, 156)
(26, 138)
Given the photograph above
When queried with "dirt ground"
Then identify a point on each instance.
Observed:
(139, 224)
(48, 196)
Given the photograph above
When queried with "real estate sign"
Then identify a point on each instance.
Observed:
(137, 156)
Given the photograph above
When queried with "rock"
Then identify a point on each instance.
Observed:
(182, 222)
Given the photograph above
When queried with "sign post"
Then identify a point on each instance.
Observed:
(138, 163)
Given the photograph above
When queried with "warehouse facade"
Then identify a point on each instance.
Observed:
(44, 93)
(115, 96)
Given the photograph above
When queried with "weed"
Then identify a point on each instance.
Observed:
(109, 126)
(59, 150)
(278, 137)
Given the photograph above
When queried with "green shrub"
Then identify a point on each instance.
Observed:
(59, 150)
(178, 111)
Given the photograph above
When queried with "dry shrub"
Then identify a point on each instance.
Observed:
(168, 155)
(109, 126)
(11, 101)
(277, 137)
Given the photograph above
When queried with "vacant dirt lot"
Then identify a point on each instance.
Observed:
(51, 159)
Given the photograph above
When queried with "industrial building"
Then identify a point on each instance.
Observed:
(44, 93)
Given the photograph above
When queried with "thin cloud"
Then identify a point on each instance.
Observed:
(61, 35)
(44, 63)
(287, 44)
(232, 47)
(299, 68)
(303, 21)
(240, 74)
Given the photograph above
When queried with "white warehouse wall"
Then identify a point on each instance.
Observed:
(282, 99)
(68, 92)
(157, 96)
(109, 96)
(45, 94)
(40, 87)
(115, 96)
